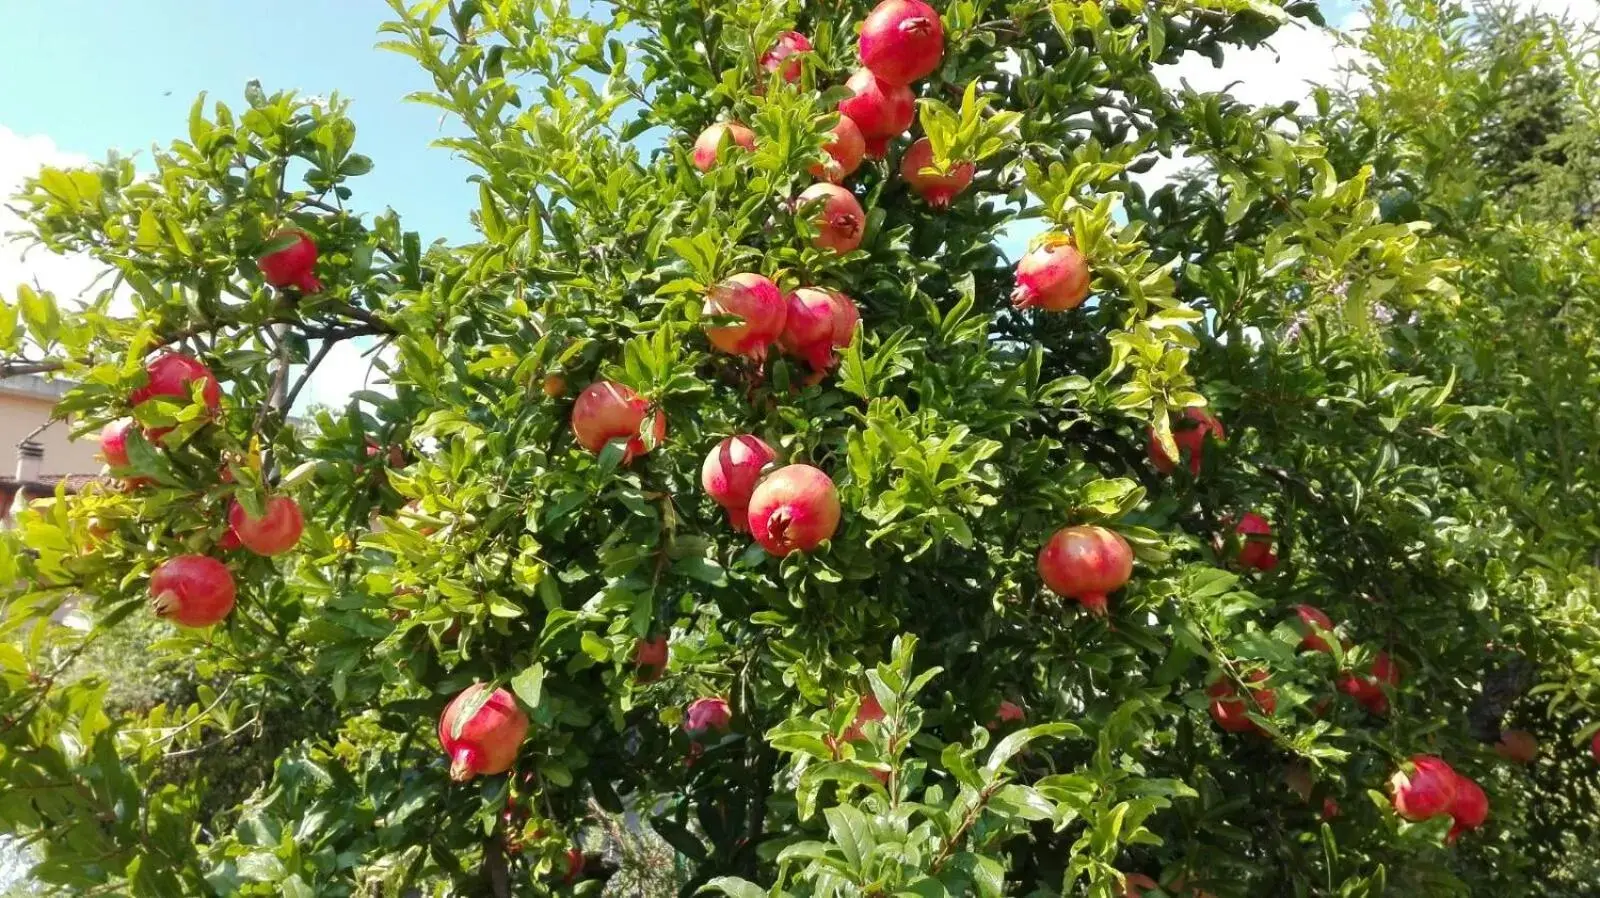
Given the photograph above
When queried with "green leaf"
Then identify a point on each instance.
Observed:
(529, 685)
(851, 832)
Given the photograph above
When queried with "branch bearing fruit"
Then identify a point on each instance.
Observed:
(845, 148)
(192, 590)
(1053, 276)
(487, 741)
(1190, 433)
(882, 111)
(757, 303)
(292, 266)
(274, 533)
(1086, 563)
(840, 221)
(1423, 788)
(710, 142)
(795, 509)
(607, 411)
(730, 474)
(902, 41)
(936, 189)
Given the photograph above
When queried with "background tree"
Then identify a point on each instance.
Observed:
(1386, 313)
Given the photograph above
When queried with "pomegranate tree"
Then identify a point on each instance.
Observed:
(1086, 563)
(707, 716)
(274, 533)
(795, 509)
(845, 148)
(902, 41)
(481, 735)
(758, 305)
(786, 55)
(1423, 788)
(881, 110)
(819, 323)
(936, 189)
(607, 411)
(1232, 712)
(840, 221)
(1190, 433)
(192, 590)
(730, 473)
(708, 146)
(291, 263)
(1053, 276)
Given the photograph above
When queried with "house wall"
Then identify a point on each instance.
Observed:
(26, 403)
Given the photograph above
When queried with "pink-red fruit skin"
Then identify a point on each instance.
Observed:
(292, 266)
(845, 148)
(274, 533)
(707, 715)
(868, 711)
(1086, 563)
(192, 590)
(795, 509)
(1053, 276)
(1314, 623)
(710, 140)
(1190, 434)
(607, 411)
(1518, 747)
(819, 323)
(650, 657)
(1231, 712)
(1424, 788)
(1134, 885)
(781, 57)
(1256, 552)
(730, 473)
(882, 111)
(487, 742)
(757, 303)
(169, 376)
(841, 223)
(1469, 809)
(937, 190)
(902, 41)
(114, 442)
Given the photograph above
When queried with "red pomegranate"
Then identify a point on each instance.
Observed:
(607, 411)
(1231, 712)
(575, 865)
(229, 541)
(1135, 884)
(1086, 563)
(1423, 788)
(487, 742)
(1190, 434)
(114, 442)
(782, 57)
(845, 148)
(1517, 746)
(1008, 713)
(882, 111)
(1469, 809)
(794, 509)
(170, 376)
(840, 221)
(650, 657)
(868, 711)
(192, 590)
(902, 40)
(1256, 552)
(294, 264)
(1053, 276)
(707, 715)
(1315, 625)
(730, 473)
(710, 141)
(759, 305)
(819, 322)
(934, 188)
(274, 533)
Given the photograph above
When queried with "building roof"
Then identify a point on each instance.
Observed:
(34, 386)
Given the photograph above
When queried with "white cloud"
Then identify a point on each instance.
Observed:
(21, 157)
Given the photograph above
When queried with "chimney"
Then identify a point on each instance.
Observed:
(30, 458)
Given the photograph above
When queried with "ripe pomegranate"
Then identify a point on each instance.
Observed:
(1518, 746)
(1423, 788)
(840, 221)
(292, 266)
(707, 715)
(845, 148)
(554, 386)
(229, 541)
(274, 533)
(1256, 552)
(1086, 563)
(1315, 624)
(730, 472)
(192, 590)
(759, 305)
(1009, 712)
(170, 375)
(868, 711)
(781, 57)
(902, 41)
(650, 657)
(114, 442)
(1053, 276)
(706, 146)
(607, 411)
(819, 322)
(934, 188)
(794, 509)
(1190, 434)
(487, 742)
(882, 111)
(1368, 690)
(1135, 884)
(1231, 712)
(575, 865)
(1469, 809)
